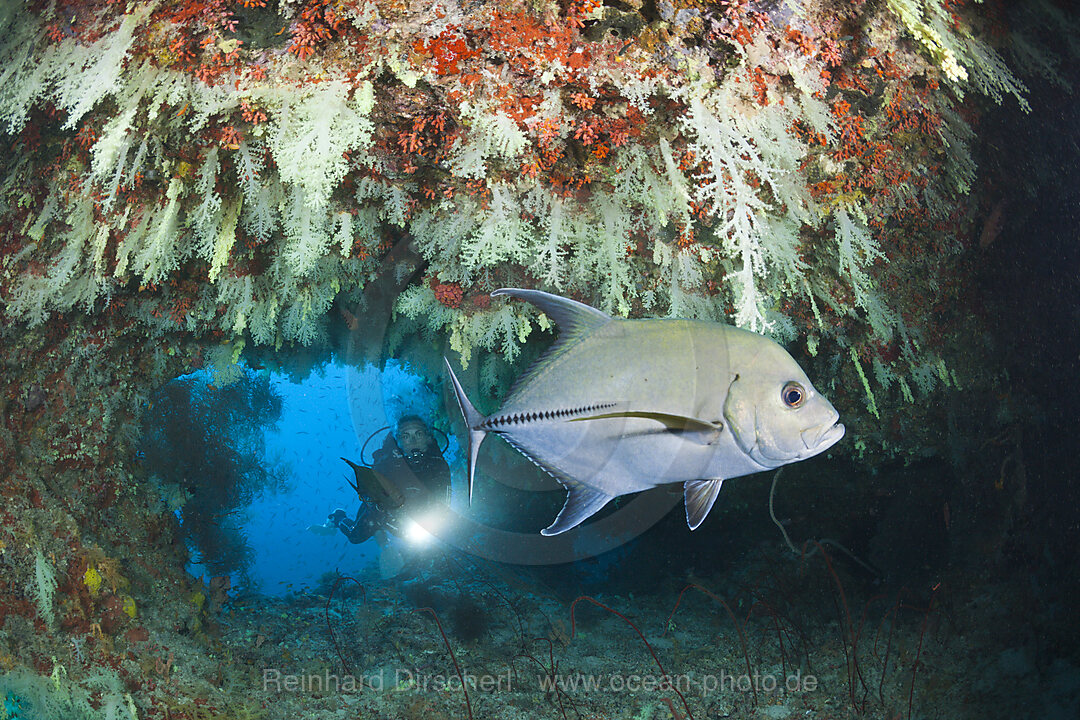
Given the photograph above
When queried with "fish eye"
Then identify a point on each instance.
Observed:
(793, 394)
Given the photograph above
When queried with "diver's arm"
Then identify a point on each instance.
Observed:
(356, 531)
(358, 534)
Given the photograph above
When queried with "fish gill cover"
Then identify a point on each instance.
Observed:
(189, 183)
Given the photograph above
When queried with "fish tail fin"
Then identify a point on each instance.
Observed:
(473, 419)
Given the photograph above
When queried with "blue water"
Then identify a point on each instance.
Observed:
(327, 416)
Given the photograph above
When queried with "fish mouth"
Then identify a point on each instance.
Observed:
(823, 437)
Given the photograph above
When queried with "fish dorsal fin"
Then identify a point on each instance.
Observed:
(700, 496)
(572, 317)
(575, 320)
(581, 503)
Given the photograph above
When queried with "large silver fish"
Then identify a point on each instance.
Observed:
(619, 406)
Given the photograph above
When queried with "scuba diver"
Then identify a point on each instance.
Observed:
(409, 477)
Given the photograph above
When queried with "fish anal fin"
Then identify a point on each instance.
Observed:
(581, 504)
(700, 496)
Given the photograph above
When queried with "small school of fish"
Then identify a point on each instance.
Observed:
(619, 406)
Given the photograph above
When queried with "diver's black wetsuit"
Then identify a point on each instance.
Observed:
(368, 519)
(423, 478)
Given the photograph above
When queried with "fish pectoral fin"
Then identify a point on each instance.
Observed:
(581, 504)
(709, 431)
(700, 496)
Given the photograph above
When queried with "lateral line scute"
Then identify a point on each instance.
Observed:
(497, 421)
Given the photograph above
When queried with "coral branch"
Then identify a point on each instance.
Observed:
(667, 680)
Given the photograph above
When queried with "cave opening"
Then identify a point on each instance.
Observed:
(252, 462)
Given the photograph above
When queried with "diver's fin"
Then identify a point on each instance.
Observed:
(355, 468)
(374, 486)
(581, 503)
(473, 419)
(700, 496)
(575, 321)
(678, 423)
